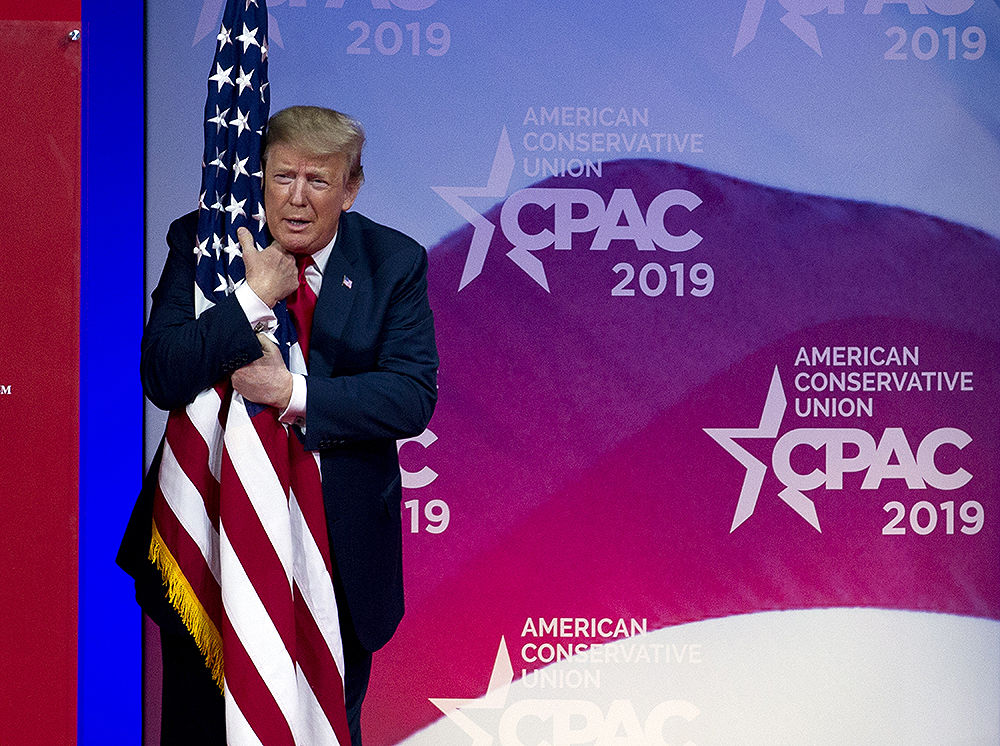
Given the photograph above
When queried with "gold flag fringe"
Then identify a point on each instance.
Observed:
(192, 613)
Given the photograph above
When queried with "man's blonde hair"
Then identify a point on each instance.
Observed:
(321, 132)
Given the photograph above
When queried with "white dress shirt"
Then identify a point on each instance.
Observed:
(262, 319)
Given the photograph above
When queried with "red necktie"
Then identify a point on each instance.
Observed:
(301, 305)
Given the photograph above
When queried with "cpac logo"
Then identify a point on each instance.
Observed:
(797, 10)
(647, 231)
(572, 721)
(890, 458)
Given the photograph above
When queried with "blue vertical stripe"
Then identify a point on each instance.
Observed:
(111, 318)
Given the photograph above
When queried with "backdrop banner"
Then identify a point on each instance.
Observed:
(715, 453)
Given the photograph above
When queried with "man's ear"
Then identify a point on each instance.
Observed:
(351, 195)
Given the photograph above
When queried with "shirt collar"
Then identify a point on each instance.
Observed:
(321, 257)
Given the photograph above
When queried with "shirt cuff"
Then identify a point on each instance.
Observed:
(295, 412)
(261, 318)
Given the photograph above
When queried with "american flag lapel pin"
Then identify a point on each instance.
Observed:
(347, 282)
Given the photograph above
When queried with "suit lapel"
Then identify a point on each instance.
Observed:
(335, 300)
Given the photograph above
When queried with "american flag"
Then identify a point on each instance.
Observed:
(236, 112)
(239, 526)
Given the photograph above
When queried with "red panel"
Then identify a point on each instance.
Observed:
(39, 380)
(40, 10)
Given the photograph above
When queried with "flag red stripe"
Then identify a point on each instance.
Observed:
(309, 496)
(274, 438)
(251, 693)
(192, 455)
(320, 669)
(256, 554)
(190, 558)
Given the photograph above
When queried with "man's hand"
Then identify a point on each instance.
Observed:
(271, 273)
(265, 380)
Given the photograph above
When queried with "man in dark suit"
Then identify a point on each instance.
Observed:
(372, 366)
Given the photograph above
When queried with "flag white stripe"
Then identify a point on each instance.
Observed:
(296, 362)
(253, 468)
(238, 730)
(203, 413)
(315, 585)
(188, 506)
(312, 727)
(201, 302)
(257, 633)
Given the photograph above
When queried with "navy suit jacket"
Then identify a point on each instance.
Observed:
(372, 379)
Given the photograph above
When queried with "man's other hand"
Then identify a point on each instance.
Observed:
(271, 273)
(265, 380)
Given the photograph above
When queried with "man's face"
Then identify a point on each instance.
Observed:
(304, 195)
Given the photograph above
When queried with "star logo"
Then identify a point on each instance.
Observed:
(494, 699)
(770, 423)
(794, 20)
(496, 186)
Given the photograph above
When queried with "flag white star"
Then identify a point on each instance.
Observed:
(241, 121)
(201, 249)
(224, 37)
(240, 168)
(217, 245)
(219, 120)
(243, 80)
(233, 248)
(263, 49)
(235, 208)
(221, 77)
(218, 162)
(259, 216)
(201, 202)
(248, 37)
(226, 285)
